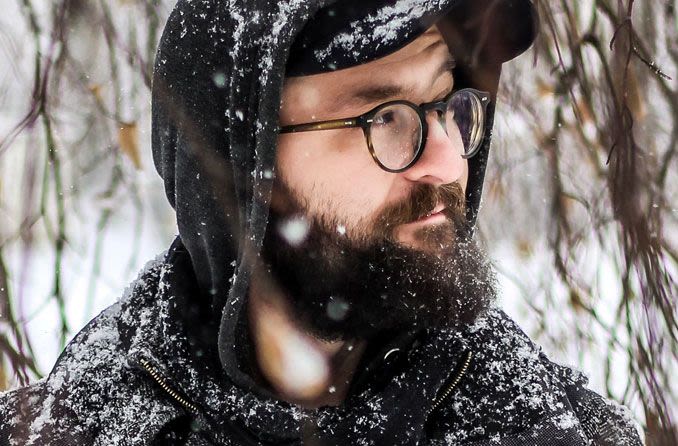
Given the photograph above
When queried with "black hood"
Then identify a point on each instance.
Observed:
(216, 93)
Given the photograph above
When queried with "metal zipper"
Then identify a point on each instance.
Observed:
(438, 401)
(162, 383)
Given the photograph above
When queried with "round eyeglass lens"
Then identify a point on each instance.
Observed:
(396, 135)
(466, 116)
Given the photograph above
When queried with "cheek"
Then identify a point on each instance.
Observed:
(335, 172)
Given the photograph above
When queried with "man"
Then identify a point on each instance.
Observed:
(325, 161)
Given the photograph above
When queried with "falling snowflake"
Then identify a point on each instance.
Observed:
(294, 230)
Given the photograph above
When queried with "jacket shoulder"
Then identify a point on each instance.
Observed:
(27, 417)
(513, 394)
(604, 421)
(94, 394)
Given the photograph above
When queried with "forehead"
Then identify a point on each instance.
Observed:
(414, 67)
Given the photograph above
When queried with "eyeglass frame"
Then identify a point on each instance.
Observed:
(365, 120)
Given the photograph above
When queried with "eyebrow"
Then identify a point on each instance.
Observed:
(376, 93)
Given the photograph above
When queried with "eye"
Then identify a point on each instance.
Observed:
(385, 118)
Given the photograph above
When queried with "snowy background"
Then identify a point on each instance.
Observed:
(82, 208)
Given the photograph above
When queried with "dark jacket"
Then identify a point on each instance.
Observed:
(135, 375)
(171, 362)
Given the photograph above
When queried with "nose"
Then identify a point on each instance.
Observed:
(441, 161)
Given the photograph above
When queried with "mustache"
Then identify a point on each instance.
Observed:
(423, 199)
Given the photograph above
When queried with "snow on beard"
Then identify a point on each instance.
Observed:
(341, 285)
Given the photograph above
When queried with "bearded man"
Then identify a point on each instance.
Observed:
(325, 161)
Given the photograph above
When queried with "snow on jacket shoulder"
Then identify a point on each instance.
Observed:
(94, 394)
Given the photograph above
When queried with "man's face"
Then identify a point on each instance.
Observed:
(333, 172)
(370, 259)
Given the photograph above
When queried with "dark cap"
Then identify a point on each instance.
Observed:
(352, 32)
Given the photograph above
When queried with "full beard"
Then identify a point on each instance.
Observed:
(342, 287)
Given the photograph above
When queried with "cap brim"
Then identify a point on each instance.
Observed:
(490, 32)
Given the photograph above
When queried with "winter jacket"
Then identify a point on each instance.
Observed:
(171, 362)
(136, 376)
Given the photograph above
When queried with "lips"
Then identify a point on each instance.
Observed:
(436, 210)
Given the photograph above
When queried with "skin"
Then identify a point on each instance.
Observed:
(334, 171)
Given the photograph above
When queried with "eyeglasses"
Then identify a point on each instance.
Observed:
(396, 131)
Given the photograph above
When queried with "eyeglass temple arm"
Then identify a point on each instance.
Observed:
(323, 125)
